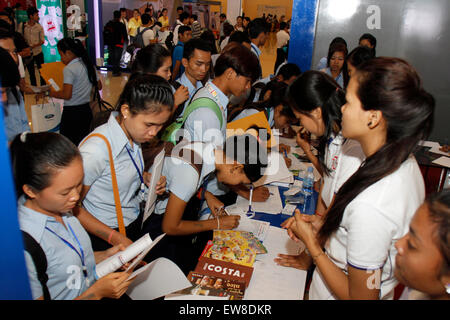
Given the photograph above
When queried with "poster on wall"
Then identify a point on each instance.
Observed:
(50, 18)
(203, 14)
(274, 10)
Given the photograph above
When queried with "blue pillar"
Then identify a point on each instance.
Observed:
(303, 27)
(13, 272)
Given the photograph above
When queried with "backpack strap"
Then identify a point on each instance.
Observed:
(114, 182)
(203, 103)
(39, 259)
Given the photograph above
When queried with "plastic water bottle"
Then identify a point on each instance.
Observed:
(307, 188)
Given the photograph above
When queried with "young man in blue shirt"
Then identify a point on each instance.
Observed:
(184, 35)
(196, 62)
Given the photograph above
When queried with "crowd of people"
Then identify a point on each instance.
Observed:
(80, 192)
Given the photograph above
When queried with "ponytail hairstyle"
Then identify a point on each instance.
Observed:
(35, 156)
(313, 89)
(392, 86)
(77, 48)
(439, 209)
(146, 93)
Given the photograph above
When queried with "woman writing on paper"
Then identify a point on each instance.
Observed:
(143, 108)
(48, 174)
(79, 78)
(388, 112)
(241, 161)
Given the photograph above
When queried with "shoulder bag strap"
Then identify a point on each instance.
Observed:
(114, 182)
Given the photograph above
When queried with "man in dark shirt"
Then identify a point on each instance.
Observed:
(115, 37)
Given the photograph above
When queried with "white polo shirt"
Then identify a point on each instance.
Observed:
(372, 223)
(343, 158)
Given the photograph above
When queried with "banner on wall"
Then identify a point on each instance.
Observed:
(274, 10)
(50, 18)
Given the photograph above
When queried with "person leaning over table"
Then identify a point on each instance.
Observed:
(388, 112)
(234, 71)
(241, 160)
(316, 100)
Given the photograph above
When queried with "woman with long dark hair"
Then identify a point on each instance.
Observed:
(388, 112)
(336, 64)
(79, 78)
(316, 100)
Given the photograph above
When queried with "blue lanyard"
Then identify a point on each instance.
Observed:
(80, 254)
(137, 168)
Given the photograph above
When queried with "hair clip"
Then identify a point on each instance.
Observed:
(23, 136)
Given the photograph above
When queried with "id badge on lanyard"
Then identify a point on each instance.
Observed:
(140, 173)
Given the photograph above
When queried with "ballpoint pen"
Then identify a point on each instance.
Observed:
(250, 213)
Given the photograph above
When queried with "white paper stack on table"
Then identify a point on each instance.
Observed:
(272, 205)
(271, 281)
(435, 148)
(276, 172)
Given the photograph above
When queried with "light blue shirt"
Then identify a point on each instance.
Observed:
(203, 124)
(254, 48)
(187, 83)
(76, 74)
(16, 120)
(99, 201)
(322, 63)
(182, 179)
(66, 280)
(339, 79)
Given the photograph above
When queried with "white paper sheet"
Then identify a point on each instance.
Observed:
(156, 175)
(435, 149)
(443, 161)
(272, 205)
(276, 171)
(157, 279)
(430, 144)
(273, 282)
(114, 262)
(257, 227)
(142, 255)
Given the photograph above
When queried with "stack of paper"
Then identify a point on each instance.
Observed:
(272, 205)
(271, 281)
(276, 171)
